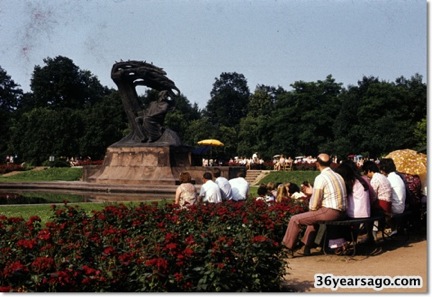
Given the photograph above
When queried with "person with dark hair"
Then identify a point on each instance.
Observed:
(210, 191)
(328, 200)
(383, 191)
(186, 193)
(263, 194)
(398, 196)
(239, 186)
(223, 184)
(294, 192)
(293, 188)
(381, 185)
(358, 195)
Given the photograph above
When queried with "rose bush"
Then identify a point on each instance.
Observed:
(230, 246)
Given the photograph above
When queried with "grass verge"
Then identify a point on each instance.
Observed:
(48, 174)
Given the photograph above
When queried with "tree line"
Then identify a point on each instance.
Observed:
(68, 112)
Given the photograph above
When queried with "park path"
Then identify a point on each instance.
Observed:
(393, 258)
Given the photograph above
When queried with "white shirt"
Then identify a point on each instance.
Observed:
(240, 188)
(398, 193)
(210, 192)
(225, 187)
(266, 198)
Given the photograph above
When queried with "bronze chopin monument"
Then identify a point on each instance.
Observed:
(147, 125)
(151, 153)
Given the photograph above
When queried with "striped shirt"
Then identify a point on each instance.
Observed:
(329, 191)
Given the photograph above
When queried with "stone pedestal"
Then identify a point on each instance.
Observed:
(145, 165)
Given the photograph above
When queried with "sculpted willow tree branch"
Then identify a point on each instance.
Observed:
(147, 126)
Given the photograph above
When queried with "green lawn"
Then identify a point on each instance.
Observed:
(48, 174)
(297, 177)
(42, 210)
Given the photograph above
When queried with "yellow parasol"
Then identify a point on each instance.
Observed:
(410, 162)
(210, 142)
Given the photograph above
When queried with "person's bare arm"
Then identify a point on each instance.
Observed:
(177, 196)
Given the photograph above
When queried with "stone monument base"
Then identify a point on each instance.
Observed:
(146, 165)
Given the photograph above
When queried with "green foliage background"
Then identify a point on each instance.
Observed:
(68, 113)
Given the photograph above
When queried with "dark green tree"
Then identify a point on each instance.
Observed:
(262, 101)
(387, 121)
(61, 84)
(420, 134)
(181, 117)
(10, 96)
(43, 132)
(229, 100)
(65, 114)
(200, 129)
(254, 134)
(104, 124)
(414, 94)
(347, 126)
(303, 118)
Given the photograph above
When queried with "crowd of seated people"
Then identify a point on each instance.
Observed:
(354, 192)
(282, 163)
(215, 188)
(366, 189)
(250, 163)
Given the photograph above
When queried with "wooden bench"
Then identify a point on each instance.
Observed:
(349, 228)
(343, 228)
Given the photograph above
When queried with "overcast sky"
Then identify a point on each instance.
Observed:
(273, 43)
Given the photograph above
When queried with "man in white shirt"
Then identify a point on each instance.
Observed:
(223, 184)
(210, 191)
(239, 187)
(398, 196)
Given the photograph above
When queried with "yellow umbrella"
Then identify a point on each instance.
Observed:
(410, 162)
(210, 142)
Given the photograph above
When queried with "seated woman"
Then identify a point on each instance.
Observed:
(272, 189)
(281, 162)
(294, 192)
(282, 192)
(358, 196)
(186, 193)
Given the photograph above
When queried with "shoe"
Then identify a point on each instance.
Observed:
(393, 233)
(306, 251)
(298, 245)
(290, 252)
